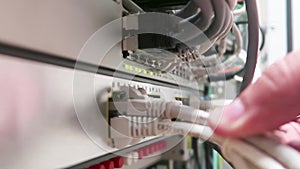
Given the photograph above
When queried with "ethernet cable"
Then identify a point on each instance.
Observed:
(214, 17)
(227, 24)
(250, 60)
(204, 18)
(139, 104)
(222, 46)
(219, 20)
(213, 70)
(188, 10)
(249, 66)
(239, 39)
(227, 18)
(217, 23)
(257, 152)
(224, 71)
(206, 60)
(216, 27)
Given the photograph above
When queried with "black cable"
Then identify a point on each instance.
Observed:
(263, 38)
(253, 37)
(196, 152)
(262, 31)
(214, 146)
(208, 156)
(217, 148)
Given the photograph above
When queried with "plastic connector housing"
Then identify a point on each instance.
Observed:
(139, 115)
(126, 130)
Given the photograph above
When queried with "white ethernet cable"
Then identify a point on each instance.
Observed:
(257, 152)
(250, 153)
(239, 39)
(211, 66)
(222, 46)
(139, 104)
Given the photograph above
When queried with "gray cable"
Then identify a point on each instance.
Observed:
(253, 38)
(228, 23)
(207, 13)
(216, 26)
(202, 20)
(239, 39)
(190, 9)
(192, 19)
(220, 18)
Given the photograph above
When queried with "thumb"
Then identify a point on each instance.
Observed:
(270, 102)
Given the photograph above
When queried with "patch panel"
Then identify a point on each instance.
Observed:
(134, 114)
(119, 127)
(117, 95)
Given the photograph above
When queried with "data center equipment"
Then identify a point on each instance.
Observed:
(169, 66)
(103, 84)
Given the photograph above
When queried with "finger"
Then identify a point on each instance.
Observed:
(272, 101)
(295, 145)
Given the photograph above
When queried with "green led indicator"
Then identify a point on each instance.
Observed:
(127, 67)
(138, 70)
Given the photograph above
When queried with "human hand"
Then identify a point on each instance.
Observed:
(270, 102)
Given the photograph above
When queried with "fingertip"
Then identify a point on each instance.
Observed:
(265, 105)
(229, 121)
